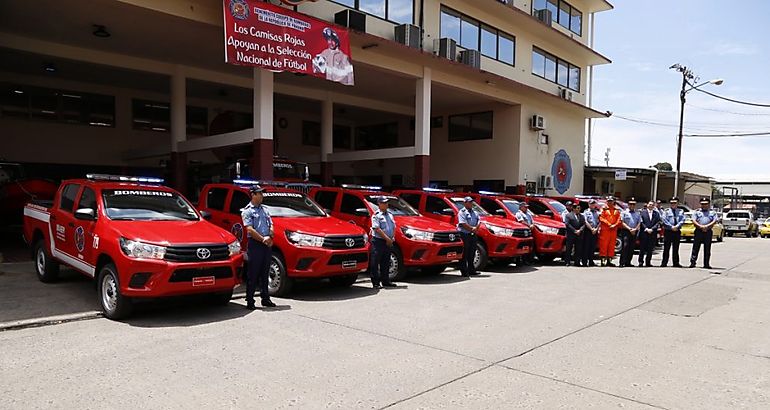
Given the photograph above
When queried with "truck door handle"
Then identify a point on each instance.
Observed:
(226, 222)
(71, 224)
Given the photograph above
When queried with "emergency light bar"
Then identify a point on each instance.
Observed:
(362, 187)
(426, 189)
(491, 193)
(255, 182)
(123, 178)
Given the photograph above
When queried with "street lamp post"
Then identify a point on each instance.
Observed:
(687, 76)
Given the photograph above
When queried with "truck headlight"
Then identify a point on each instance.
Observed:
(301, 239)
(547, 229)
(499, 230)
(416, 234)
(141, 250)
(234, 248)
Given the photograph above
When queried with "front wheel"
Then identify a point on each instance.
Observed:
(279, 283)
(114, 304)
(46, 268)
(480, 257)
(396, 270)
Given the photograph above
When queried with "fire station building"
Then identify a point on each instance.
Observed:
(489, 94)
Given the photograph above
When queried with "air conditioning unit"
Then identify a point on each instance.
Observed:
(566, 94)
(537, 123)
(545, 182)
(471, 58)
(351, 19)
(544, 16)
(408, 35)
(445, 47)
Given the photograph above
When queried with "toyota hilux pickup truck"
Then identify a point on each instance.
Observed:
(309, 244)
(135, 237)
(740, 222)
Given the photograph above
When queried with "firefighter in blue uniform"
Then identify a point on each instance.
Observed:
(672, 220)
(591, 216)
(525, 216)
(631, 219)
(704, 220)
(383, 236)
(468, 225)
(259, 228)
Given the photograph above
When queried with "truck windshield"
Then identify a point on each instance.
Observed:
(512, 205)
(459, 204)
(291, 205)
(147, 205)
(397, 206)
(290, 170)
(558, 206)
(743, 215)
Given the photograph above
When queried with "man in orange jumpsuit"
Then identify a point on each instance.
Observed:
(609, 221)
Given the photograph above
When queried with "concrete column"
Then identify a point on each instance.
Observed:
(422, 129)
(262, 159)
(327, 140)
(178, 160)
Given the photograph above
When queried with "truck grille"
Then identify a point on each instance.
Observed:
(357, 257)
(522, 233)
(196, 253)
(187, 275)
(344, 242)
(446, 237)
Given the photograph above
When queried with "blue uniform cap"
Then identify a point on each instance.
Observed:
(256, 189)
(382, 200)
(468, 199)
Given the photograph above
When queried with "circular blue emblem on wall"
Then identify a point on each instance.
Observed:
(561, 171)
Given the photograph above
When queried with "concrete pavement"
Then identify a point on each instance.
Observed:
(550, 337)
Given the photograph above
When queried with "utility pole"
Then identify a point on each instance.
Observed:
(607, 157)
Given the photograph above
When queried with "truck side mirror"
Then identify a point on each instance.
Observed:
(85, 214)
(361, 212)
(206, 215)
(500, 212)
(548, 212)
(447, 212)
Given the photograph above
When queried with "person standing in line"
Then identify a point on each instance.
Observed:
(576, 224)
(672, 220)
(631, 219)
(383, 237)
(648, 234)
(259, 228)
(608, 234)
(704, 220)
(591, 216)
(468, 224)
(526, 217)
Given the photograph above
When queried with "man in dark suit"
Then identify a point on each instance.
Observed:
(648, 234)
(575, 223)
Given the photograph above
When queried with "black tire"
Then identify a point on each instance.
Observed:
(433, 270)
(546, 259)
(344, 281)
(114, 305)
(279, 282)
(396, 270)
(46, 268)
(481, 258)
(221, 298)
(619, 245)
(688, 239)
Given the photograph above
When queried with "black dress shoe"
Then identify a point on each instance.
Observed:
(707, 267)
(692, 265)
(268, 303)
(389, 285)
(641, 265)
(251, 306)
(676, 265)
(591, 264)
(610, 264)
(647, 265)
(663, 265)
(377, 286)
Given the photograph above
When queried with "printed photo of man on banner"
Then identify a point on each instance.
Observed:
(260, 34)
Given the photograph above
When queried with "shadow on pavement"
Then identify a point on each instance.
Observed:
(512, 269)
(23, 296)
(440, 279)
(321, 291)
(184, 312)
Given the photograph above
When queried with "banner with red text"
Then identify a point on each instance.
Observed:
(260, 34)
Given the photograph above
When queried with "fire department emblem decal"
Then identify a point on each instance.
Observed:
(80, 239)
(237, 230)
(239, 9)
(561, 171)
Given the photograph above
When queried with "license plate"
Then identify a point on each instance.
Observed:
(451, 255)
(349, 265)
(204, 281)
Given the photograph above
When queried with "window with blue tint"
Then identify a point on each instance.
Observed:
(538, 4)
(450, 25)
(550, 68)
(401, 11)
(574, 77)
(554, 69)
(373, 7)
(489, 42)
(553, 6)
(562, 75)
(538, 63)
(349, 3)
(562, 13)
(576, 22)
(469, 34)
(507, 49)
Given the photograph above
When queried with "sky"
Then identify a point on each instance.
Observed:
(716, 39)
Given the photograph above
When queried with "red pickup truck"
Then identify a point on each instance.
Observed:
(309, 244)
(136, 238)
(421, 242)
(499, 239)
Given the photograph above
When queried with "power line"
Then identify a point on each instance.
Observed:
(710, 127)
(728, 112)
(751, 134)
(732, 100)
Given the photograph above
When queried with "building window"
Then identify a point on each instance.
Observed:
(377, 136)
(466, 127)
(562, 13)
(396, 11)
(471, 35)
(554, 69)
(49, 104)
(156, 116)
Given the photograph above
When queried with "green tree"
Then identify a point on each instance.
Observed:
(664, 166)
